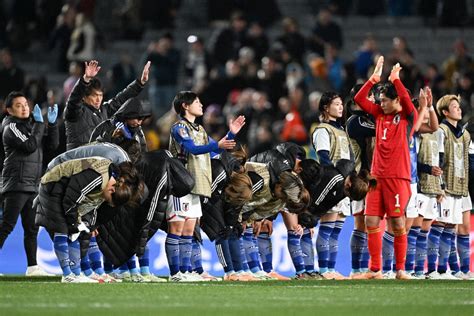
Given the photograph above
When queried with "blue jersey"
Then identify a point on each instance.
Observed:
(413, 159)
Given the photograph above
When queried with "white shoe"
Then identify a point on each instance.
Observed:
(36, 271)
(194, 277)
(82, 278)
(262, 275)
(153, 278)
(110, 279)
(389, 275)
(464, 276)
(123, 276)
(97, 277)
(70, 278)
(433, 276)
(138, 278)
(180, 277)
(206, 276)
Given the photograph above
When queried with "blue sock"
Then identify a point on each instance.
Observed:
(358, 241)
(144, 262)
(453, 254)
(196, 257)
(86, 265)
(108, 266)
(411, 248)
(251, 251)
(294, 247)
(308, 250)
(387, 251)
(334, 245)
(464, 252)
(322, 245)
(421, 251)
(172, 252)
(255, 243)
(235, 252)
(266, 251)
(223, 254)
(75, 256)
(123, 268)
(243, 256)
(364, 262)
(433, 246)
(132, 265)
(185, 252)
(95, 256)
(60, 242)
(444, 249)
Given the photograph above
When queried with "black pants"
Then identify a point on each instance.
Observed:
(15, 204)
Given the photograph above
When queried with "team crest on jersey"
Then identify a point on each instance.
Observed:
(396, 119)
(183, 132)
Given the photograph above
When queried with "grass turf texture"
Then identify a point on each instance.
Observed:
(21, 295)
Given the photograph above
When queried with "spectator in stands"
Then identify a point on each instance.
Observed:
(196, 65)
(292, 40)
(165, 60)
(257, 40)
(272, 79)
(336, 72)
(365, 56)
(75, 71)
(434, 79)
(121, 74)
(61, 36)
(325, 31)
(24, 139)
(459, 61)
(84, 108)
(83, 40)
(12, 77)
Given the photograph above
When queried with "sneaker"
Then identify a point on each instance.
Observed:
(262, 275)
(153, 278)
(389, 275)
(36, 271)
(178, 277)
(110, 279)
(138, 278)
(246, 277)
(70, 278)
(231, 277)
(95, 276)
(302, 276)
(314, 275)
(464, 276)
(433, 276)
(447, 276)
(372, 275)
(418, 276)
(191, 277)
(124, 276)
(275, 275)
(206, 276)
(358, 276)
(338, 276)
(82, 278)
(402, 275)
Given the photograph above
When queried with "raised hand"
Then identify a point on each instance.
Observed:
(395, 74)
(91, 70)
(237, 124)
(422, 100)
(145, 73)
(375, 78)
(429, 96)
(52, 114)
(225, 143)
(37, 115)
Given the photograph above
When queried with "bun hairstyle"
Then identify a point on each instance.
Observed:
(239, 189)
(361, 183)
(296, 196)
(129, 188)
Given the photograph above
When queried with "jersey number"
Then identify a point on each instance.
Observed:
(397, 200)
(384, 136)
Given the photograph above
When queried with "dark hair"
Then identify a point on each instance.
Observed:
(239, 189)
(186, 97)
(130, 187)
(131, 146)
(388, 89)
(326, 99)
(94, 84)
(360, 184)
(12, 96)
(296, 196)
(309, 171)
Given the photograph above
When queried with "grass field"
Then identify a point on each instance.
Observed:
(20, 295)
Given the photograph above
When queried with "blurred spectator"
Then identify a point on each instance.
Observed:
(264, 12)
(213, 122)
(364, 58)
(12, 77)
(272, 79)
(22, 24)
(120, 75)
(83, 40)
(257, 40)
(292, 40)
(459, 61)
(293, 128)
(436, 81)
(75, 71)
(317, 76)
(311, 116)
(61, 36)
(36, 89)
(325, 31)
(165, 66)
(248, 67)
(294, 76)
(130, 21)
(47, 12)
(465, 89)
(229, 40)
(196, 65)
(159, 14)
(262, 116)
(336, 73)
(400, 52)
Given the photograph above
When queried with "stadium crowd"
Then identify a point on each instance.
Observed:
(260, 129)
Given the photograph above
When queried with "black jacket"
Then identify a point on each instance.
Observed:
(81, 118)
(328, 188)
(23, 146)
(125, 231)
(131, 109)
(277, 163)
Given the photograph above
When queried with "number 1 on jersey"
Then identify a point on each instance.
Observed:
(397, 200)
(384, 136)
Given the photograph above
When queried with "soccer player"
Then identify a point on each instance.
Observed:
(394, 119)
(190, 143)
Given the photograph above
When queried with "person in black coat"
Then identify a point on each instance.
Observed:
(84, 108)
(24, 139)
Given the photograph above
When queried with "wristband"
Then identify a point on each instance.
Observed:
(431, 109)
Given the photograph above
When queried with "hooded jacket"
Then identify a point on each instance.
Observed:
(131, 109)
(23, 146)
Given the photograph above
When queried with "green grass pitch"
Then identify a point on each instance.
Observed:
(46, 296)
